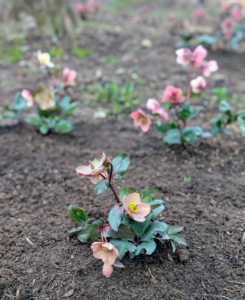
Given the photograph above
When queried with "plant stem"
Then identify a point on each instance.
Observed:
(114, 192)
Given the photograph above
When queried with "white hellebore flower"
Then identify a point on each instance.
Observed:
(44, 59)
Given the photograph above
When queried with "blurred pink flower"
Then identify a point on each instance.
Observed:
(68, 77)
(81, 8)
(107, 253)
(173, 94)
(198, 85)
(225, 7)
(186, 24)
(227, 28)
(95, 171)
(141, 120)
(199, 13)
(156, 108)
(134, 208)
(237, 15)
(185, 56)
(209, 67)
(27, 96)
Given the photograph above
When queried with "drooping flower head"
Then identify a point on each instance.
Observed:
(199, 13)
(173, 94)
(141, 120)
(209, 67)
(185, 56)
(135, 208)
(44, 59)
(156, 108)
(107, 253)
(227, 28)
(68, 77)
(198, 85)
(45, 99)
(95, 171)
(27, 96)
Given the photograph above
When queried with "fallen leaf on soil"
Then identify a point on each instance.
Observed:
(69, 294)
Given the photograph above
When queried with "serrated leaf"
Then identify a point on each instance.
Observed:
(101, 186)
(139, 227)
(175, 229)
(124, 192)
(77, 214)
(123, 247)
(153, 229)
(115, 216)
(120, 165)
(157, 206)
(179, 239)
(149, 247)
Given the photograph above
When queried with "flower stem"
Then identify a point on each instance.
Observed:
(114, 192)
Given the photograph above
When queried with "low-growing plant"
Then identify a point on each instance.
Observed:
(174, 115)
(226, 34)
(56, 52)
(82, 53)
(130, 226)
(86, 7)
(54, 105)
(122, 96)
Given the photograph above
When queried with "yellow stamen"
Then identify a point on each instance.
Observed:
(133, 207)
(105, 249)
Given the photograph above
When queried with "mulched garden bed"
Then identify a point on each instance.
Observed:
(38, 181)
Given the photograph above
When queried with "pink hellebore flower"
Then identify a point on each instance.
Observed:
(186, 24)
(156, 108)
(209, 67)
(107, 253)
(134, 208)
(198, 85)
(68, 77)
(199, 13)
(141, 119)
(225, 7)
(237, 15)
(95, 171)
(27, 96)
(185, 56)
(81, 8)
(173, 94)
(227, 28)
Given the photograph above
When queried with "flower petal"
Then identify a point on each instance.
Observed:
(83, 170)
(107, 270)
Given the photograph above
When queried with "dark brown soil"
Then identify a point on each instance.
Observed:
(38, 181)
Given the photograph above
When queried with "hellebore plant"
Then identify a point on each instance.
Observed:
(87, 7)
(54, 105)
(130, 226)
(173, 115)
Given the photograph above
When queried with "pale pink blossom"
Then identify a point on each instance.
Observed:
(45, 99)
(81, 8)
(135, 208)
(141, 120)
(209, 67)
(173, 94)
(27, 96)
(108, 254)
(237, 15)
(225, 7)
(185, 56)
(186, 24)
(68, 77)
(198, 85)
(199, 13)
(227, 28)
(156, 108)
(95, 171)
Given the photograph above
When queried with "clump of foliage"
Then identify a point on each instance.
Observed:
(225, 34)
(54, 105)
(131, 226)
(82, 53)
(121, 96)
(173, 115)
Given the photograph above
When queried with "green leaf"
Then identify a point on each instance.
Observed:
(172, 137)
(174, 229)
(153, 229)
(115, 216)
(92, 231)
(77, 214)
(124, 192)
(224, 107)
(101, 186)
(63, 127)
(173, 246)
(185, 111)
(34, 121)
(19, 102)
(123, 247)
(149, 247)
(161, 128)
(145, 192)
(44, 128)
(195, 112)
(123, 232)
(157, 206)
(120, 165)
(191, 133)
(66, 104)
(140, 227)
(179, 239)
(76, 230)
(241, 120)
